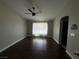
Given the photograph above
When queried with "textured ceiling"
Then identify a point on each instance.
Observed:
(49, 8)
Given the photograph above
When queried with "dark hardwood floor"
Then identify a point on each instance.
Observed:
(35, 48)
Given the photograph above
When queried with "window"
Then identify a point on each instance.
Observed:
(40, 29)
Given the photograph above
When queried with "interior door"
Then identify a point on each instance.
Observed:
(63, 31)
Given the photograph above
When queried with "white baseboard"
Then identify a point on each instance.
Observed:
(70, 54)
(56, 41)
(66, 50)
(29, 35)
(11, 44)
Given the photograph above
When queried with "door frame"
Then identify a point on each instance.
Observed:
(63, 19)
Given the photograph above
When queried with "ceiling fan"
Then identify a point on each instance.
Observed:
(32, 11)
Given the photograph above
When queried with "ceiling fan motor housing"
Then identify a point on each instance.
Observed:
(33, 14)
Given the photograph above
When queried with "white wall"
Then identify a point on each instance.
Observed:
(29, 28)
(12, 26)
(50, 28)
(71, 10)
(56, 26)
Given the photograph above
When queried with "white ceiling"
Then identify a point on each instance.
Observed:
(49, 8)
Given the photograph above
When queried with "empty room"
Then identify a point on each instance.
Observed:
(39, 29)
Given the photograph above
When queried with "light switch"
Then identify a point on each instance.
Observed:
(72, 34)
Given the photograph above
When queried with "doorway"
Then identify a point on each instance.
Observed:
(63, 31)
(40, 29)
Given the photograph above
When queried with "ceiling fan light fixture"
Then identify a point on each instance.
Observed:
(33, 14)
(32, 11)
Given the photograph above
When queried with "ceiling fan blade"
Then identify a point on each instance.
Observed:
(28, 13)
(30, 10)
(38, 12)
